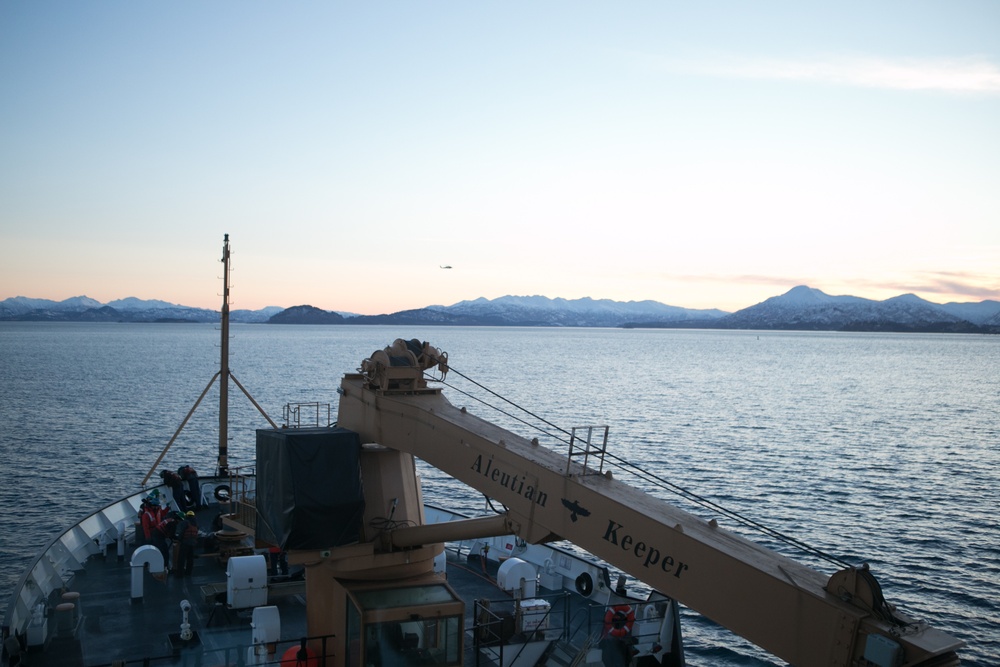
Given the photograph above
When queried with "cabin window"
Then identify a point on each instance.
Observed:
(431, 641)
(410, 625)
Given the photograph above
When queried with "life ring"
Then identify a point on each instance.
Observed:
(223, 493)
(585, 584)
(297, 656)
(618, 621)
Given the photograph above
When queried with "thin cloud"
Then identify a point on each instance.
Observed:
(950, 75)
(954, 285)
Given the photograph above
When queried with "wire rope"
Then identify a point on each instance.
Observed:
(644, 474)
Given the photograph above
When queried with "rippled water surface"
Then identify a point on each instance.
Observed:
(875, 448)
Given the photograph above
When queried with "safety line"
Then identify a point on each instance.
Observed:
(662, 483)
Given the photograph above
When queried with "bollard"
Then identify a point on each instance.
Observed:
(65, 612)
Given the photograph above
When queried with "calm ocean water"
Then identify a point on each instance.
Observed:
(875, 448)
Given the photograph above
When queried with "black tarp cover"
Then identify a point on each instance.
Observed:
(309, 491)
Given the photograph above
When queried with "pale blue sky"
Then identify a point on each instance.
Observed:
(699, 154)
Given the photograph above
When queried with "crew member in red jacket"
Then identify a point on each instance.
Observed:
(149, 517)
(187, 533)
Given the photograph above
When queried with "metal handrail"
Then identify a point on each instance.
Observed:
(292, 414)
(234, 655)
(588, 448)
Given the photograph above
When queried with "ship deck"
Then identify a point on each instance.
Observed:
(107, 627)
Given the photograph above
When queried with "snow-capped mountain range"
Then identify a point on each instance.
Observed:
(801, 308)
(806, 308)
(586, 312)
(129, 309)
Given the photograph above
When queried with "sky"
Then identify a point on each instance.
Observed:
(700, 154)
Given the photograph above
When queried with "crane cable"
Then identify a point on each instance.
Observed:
(662, 483)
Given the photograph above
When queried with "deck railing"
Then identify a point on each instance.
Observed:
(305, 651)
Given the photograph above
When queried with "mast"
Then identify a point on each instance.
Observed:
(223, 375)
(223, 467)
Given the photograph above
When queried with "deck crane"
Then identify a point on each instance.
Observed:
(790, 610)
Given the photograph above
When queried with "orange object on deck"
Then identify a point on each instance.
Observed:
(297, 656)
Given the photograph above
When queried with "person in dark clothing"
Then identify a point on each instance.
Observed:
(278, 561)
(616, 651)
(190, 478)
(162, 533)
(187, 533)
(176, 484)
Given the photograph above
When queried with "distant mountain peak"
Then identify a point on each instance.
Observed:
(910, 298)
(803, 296)
(305, 315)
(804, 290)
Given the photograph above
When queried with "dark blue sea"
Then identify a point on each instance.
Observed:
(877, 448)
